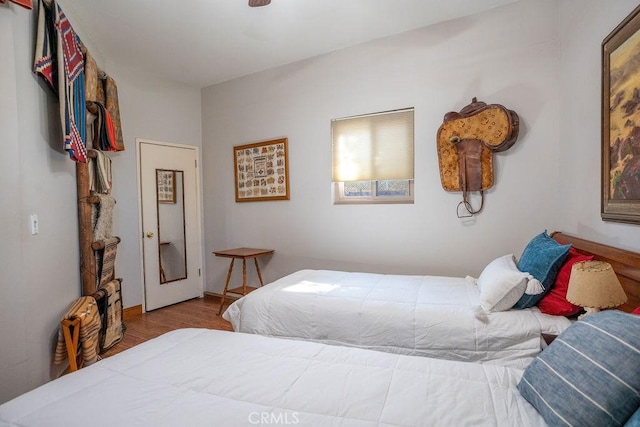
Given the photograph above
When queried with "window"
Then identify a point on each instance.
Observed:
(373, 158)
(383, 191)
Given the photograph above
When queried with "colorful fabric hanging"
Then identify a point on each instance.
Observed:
(24, 3)
(46, 63)
(59, 61)
(101, 88)
(104, 137)
(113, 107)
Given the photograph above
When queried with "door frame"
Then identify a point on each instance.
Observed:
(200, 242)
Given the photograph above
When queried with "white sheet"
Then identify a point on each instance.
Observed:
(198, 377)
(417, 315)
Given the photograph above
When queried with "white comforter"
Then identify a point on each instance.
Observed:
(416, 315)
(198, 377)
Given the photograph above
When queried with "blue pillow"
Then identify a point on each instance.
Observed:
(542, 258)
(590, 374)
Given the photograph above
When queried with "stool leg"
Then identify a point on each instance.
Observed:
(226, 285)
(258, 270)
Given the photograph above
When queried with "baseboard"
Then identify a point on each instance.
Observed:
(218, 297)
(130, 312)
(136, 310)
(212, 294)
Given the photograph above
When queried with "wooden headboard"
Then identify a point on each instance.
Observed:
(625, 263)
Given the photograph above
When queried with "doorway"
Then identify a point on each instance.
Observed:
(170, 222)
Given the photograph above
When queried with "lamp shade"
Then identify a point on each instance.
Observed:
(595, 284)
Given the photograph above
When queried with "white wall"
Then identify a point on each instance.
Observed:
(40, 274)
(585, 24)
(12, 291)
(508, 55)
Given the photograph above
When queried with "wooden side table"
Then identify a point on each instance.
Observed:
(243, 254)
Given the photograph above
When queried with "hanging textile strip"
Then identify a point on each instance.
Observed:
(90, 119)
(107, 269)
(113, 107)
(101, 96)
(98, 123)
(85, 309)
(110, 130)
(74, 105)
(114, 330)
(92, 82)
(44, 64)
(103, 133)
(103, 226)
(63, 52)
(100, 296)
(91, 77)
(100, 173)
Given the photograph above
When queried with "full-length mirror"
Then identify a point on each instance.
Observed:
(172, 247)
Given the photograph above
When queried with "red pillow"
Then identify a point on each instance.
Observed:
(636, 311)
(555, 301)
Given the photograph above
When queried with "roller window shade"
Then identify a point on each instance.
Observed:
(373, 147)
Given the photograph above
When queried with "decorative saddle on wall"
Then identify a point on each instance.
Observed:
(466, 142)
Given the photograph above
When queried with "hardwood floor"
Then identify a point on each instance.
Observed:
(195, 313)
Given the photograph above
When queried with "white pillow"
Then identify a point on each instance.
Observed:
(501, 284)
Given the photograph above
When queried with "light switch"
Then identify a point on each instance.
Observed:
(34, 224)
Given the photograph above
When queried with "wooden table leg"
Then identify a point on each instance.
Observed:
(258, 270)
(226, 285)
(244, 276)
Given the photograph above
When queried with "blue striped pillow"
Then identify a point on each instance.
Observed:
(634, 421)
(590, 374)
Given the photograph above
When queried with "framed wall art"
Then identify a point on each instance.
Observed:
(166, 181)
(261, 171)
(621, 122)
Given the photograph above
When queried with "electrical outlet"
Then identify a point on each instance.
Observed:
(34, 224)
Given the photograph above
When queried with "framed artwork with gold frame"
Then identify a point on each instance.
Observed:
(261, 171)
(621, 122)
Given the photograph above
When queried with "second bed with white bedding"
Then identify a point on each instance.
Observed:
(198, 377)
(431, 316)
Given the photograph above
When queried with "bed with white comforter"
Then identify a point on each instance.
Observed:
(198, 377)
(415, 315)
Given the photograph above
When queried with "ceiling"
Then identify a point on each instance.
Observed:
(203, 42)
